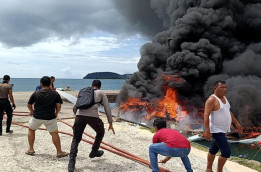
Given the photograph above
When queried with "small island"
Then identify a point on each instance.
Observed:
(106, 75)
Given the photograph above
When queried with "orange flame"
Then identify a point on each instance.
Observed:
(133, 104)
(167, 106)
(250, 132)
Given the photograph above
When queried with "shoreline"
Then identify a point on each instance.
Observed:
(128, 137)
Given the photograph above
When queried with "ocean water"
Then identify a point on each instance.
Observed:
(29, 84)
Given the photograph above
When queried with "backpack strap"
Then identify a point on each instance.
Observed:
(100, 101)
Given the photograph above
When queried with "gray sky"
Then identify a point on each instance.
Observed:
(69, 39)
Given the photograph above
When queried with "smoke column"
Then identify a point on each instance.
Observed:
(204, 41)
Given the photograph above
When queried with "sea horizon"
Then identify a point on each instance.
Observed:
(30, 84)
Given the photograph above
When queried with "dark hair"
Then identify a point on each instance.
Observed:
(159, 123)
(46, 81)
(217, 82)
(52, 77)
(6, 78)
(96, 83)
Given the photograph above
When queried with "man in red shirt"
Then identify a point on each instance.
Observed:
(169, 143)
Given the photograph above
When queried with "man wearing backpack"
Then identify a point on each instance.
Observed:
(88, 102)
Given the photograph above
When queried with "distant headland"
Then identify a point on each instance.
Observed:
(106, 75)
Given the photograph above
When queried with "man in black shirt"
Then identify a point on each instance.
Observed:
(47, 105)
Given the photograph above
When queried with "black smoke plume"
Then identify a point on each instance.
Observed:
(206, 40)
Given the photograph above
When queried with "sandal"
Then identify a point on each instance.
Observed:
(29, 153)
(63, 154)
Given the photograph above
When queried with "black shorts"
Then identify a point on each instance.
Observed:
(219, 141)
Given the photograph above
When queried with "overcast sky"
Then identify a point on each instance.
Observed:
(69, 39)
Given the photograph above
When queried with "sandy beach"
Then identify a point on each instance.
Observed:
(129, 137)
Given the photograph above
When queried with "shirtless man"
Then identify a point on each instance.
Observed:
(217, 120)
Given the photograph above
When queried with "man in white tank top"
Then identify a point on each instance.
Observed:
(217, 120)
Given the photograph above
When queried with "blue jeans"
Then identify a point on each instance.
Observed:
(163, 149)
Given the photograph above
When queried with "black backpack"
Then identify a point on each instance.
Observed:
(85, 98)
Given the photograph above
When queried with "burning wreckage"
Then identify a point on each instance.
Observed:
(203, 41)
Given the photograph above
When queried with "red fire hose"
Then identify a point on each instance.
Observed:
(115, 150)
(107, 144)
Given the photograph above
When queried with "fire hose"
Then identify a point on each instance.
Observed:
(114, 149)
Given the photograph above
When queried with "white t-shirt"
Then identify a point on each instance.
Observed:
(220, 120)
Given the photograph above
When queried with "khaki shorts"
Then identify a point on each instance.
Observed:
(51, 125)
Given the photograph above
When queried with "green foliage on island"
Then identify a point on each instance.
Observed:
(106, 75)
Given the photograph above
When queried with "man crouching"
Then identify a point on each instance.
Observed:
(169, 143)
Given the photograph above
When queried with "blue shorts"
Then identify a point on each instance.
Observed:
(219, 141)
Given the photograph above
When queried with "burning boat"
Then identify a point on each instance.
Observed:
(203, 41)
(143, 111)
